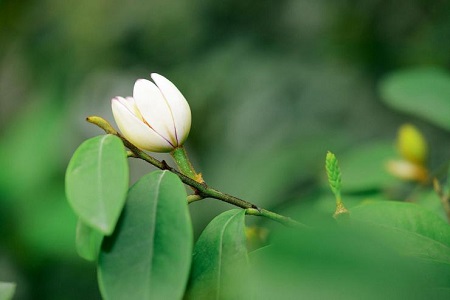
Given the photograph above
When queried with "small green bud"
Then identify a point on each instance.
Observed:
(334, 174)
(334, 179)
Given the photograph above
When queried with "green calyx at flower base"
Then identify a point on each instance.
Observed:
(157, 118)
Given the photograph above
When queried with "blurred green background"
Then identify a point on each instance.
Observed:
(272, 86)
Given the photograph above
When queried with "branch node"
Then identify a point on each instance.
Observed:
(257, 208)
(165, 166)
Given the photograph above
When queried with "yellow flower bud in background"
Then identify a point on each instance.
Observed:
(414, 150)
(411, 144)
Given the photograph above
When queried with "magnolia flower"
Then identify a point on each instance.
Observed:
(157, 118)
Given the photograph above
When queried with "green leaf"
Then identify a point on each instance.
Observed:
(150, 252)
(88, 241)
(422, 92)
(417, 231)
(220, 259)
(340, 262)
(7, 290)
(97, 182)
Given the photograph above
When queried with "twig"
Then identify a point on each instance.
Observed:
(202, 190)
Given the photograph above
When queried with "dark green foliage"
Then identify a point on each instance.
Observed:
(149, 254)
(97, 182)
(220, 261)
(272, 86)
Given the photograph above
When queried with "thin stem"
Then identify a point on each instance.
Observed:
(193, 198)
(202, 190)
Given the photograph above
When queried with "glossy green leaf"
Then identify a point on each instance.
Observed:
(88, 241)
(7, 290)
(97, 182)
(417, 231)
(150, 252)
(340, 262)
(423, 92)
(220, 262)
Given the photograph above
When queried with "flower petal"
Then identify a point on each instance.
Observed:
(130, 104)
(134, 129)
(178, 105)
(154, 109)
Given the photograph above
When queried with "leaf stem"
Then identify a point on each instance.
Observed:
(202, 190)
(193, 198)
(275, 217)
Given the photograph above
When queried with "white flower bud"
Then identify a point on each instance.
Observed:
(157, 118)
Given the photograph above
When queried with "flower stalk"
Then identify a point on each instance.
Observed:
(180, 157)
